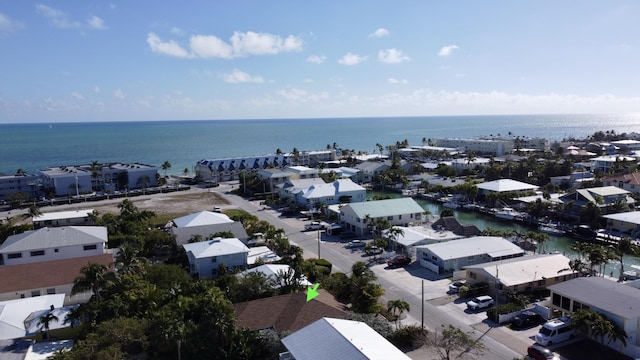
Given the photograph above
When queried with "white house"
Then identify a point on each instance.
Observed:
(63, 218)
(605, 162)
(330, 338)
(47, 244)
(339, 191)
(205, 257)
(399, 212)
(14, 314)
(455, 254)
(413, 236)
(274, 271)
(505, 185)
(205, 224)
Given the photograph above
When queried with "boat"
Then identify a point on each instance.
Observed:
(507, 213)
(451, 205)
(551, 229)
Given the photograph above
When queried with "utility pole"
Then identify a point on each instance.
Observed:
(318, 244)
(422, 312)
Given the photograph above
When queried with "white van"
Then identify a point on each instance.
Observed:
(555, 331)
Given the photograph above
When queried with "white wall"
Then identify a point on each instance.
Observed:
(66, 252)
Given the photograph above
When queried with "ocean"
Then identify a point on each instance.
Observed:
(183, 143)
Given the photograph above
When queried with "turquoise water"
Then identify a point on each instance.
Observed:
(183, 143)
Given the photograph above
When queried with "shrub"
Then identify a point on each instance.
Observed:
(502, 309)
(409, 337)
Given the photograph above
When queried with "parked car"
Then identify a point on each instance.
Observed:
(480, 302)
(314, 225)
(347, 235)
(399, 260)
(217, 209)
(526, 319)
(455, 286)
(356, 244)
(555, 331)
(374, 250)
(538, 352)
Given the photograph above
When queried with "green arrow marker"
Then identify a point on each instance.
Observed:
(312, 292)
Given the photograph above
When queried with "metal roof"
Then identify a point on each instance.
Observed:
(384, 208)
(494, 246)
(55, 237)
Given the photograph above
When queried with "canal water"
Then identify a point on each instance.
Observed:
(561, 244)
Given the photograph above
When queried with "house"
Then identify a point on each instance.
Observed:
(274, 271)
(629, 182)
(302, 172)
(575, 180)
(359, 217)
(336, 192)
(607, 198)
(617, 302)
(369, 170)
(626, 146)
(606, 162)
(37, 279)
(461, 165)
(455, 254)
(450, 223)
(627, 223)
(65, 180)
(293, 189)
(15, 315)
(205, 224)
(522, 274)
(273, 177)
(47, 244)
(505, 185)
(288, 313)
(205, 257)
(413, 236)
(218, 170)
(261, 253)
(63, 218)
(332, 338)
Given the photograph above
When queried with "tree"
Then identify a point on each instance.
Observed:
(624, 247)
(92, 277)
(364, 292)
(399, 306)
(165, 167)
(33, 212)
(452, 340)
(45, 320)
(185, 172)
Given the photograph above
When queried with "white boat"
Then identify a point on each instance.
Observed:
(451, 205)
(551, 229)
(507, 213)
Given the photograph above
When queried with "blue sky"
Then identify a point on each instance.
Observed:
(159, 60)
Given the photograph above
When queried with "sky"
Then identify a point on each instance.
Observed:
(77, 60)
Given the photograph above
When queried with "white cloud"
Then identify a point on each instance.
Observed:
(96, 89)
(7, 24)
(303, 96)
(238, 76)
(77, 95)
(351, 59)
(119, 94)
(381, 32)
(447, 50)
(240, 45)
(170, 48)
(316, 59)
(392, 56)
(397, 81)
(177, 31)
(60, 19)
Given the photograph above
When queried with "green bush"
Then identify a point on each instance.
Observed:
(480, 288)
(409, 337)
(324, 263)
(495, 311)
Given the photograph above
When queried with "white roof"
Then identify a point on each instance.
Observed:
(202, 218)
(33, 326)
(505, 185)
(494, 246)
(330, 338)
(60, 215)
(263, 253)
(415, 234)
(273, 270)
(13, 313)
(526, 269)
(216, 247)
(340, 186)
(632, 217)
(55, 237)
(384, 208)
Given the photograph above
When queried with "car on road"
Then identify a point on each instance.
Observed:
(314, 225)
(537, 352)
(356, 244)
(480, 302)
(455, 286)
(526, 319)
(398, 261)
(374, 250)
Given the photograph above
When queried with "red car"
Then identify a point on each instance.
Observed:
(399, 260)
(537, 352)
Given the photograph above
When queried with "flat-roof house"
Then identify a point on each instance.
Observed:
(48, 277)
(63, 218)
(505, 185)
(606, 162)
(358, 217)
(455, 254)
(339, 339)
(47, 244)
(625, 222)
(617, 302)
(205, 257)
(522, 274)
(205, 224)
(302, 172)
(413, 236)
(13, 314)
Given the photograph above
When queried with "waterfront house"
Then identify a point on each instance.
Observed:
(481, 146)
(624, 223)
(331, 338)
(629, 182)
(359, 217)
(413, 236)
(63, 218)
(505, 185)
(626, 146)
(337, 192)
(205, 257)
(453, 255)
(521, 274)
(205, 224)
(604, 163)
(608, 198)
(575, 180)
(369, 170)
(615, 301)
(47, 244)
(47, 277)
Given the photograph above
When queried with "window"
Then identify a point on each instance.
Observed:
(214, 259)
(14, 256)
(90, 247)
(399, 217)
(55, 250)
(35, 293)
(51, 291)
(556, 299)
(389, 218)
(37, 253)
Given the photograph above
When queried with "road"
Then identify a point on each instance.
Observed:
(498, 342)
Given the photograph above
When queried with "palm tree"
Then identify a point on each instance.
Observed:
(45, 320)
(32, 212)
(128, 260)
(185, 172)
(92, 277)
(394, 234)
(400, 306)
(166, 166)
(625, 246)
